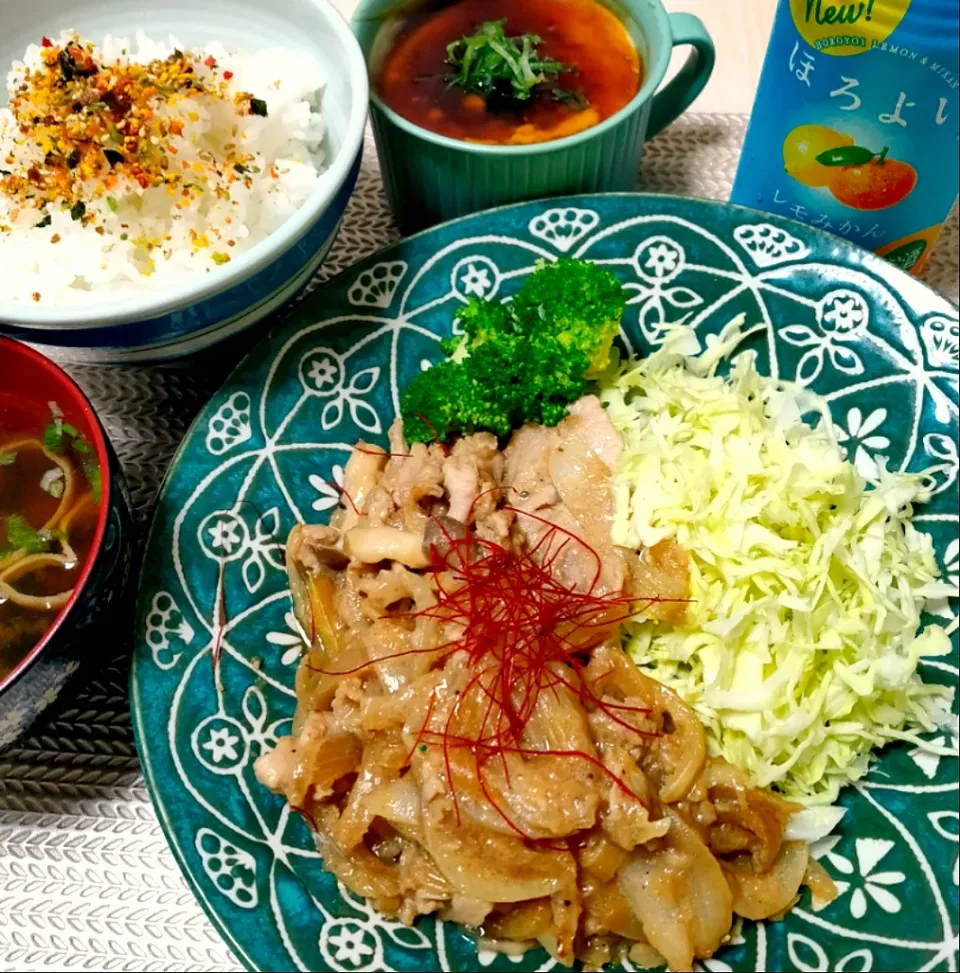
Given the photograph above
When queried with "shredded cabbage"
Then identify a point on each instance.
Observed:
(807, 583)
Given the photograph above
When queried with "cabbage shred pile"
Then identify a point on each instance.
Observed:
(802, 650)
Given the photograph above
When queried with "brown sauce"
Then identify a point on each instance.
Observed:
(581, 33)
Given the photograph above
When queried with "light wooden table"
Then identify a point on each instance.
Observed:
(740, 30)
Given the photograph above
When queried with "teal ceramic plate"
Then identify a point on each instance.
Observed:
(269, 449)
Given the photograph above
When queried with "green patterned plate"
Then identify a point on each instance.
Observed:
(265, 451)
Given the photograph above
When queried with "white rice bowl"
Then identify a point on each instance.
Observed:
(84, 267)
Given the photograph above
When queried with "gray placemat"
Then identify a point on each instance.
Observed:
(86, 879)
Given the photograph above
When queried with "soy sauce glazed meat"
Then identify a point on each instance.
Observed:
(471, 741)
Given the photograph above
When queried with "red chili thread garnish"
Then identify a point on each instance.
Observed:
(46, 42)
(220, 604)
(383, 452)
(310, 819)
(380, 452)
(524, 632)
(436, 435)
(426, 720)
(350, 500)
(343, 492)
(221, 623)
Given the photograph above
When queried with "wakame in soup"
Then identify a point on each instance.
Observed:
(49, 506)
(510, 72)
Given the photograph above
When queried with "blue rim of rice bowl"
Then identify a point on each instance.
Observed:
(36, 323)
(230, 309)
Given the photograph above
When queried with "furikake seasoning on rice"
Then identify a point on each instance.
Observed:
(176, 159)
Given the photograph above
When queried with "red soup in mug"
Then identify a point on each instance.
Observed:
(510, 72)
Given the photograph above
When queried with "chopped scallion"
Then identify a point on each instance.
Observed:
(488, 62)
(21, 536)
(91, 470)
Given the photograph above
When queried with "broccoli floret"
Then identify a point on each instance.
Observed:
(583, 305)
(523, 361)
(452, 401)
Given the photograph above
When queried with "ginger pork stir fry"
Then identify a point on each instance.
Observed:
(471, 740)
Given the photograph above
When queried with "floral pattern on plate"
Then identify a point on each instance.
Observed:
(217, 644)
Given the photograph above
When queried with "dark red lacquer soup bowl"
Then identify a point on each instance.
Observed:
(65, 534)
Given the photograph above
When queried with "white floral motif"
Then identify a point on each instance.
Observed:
(321, 372)
(349, 944)
(261, 732)
(861, 434)
(714, 966)
(563, 228)
(861, 956)
(232, 870)
(870, 852)
(941, 475)
(362, 413)
(166, 624)
(658, 259)
(808, 956)
(406, 937)
(375, 287)
(938, 819)
(224, 534)
(844, 314)
(292, 641)
(475, 280)
(928, 756)
(951, 563)
(222, 744)
(475, 276)
(230, 426)
(330, 493)
(486, 957)
(941, 338)
(943, 607)
(219, 743)
(661, 260)
(927, 761)
(768, 245)
(266, 550)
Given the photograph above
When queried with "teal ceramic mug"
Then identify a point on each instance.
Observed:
(430, 178)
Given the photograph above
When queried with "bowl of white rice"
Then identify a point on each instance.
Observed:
(169, 175)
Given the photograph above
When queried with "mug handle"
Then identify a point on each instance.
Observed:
(674, 99)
